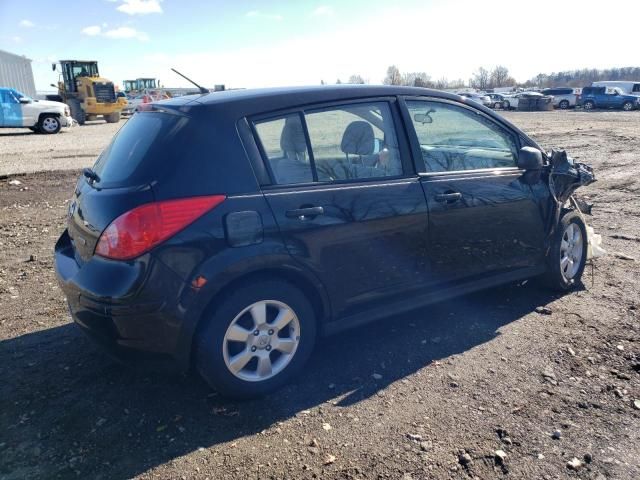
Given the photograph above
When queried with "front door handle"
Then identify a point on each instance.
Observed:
(448, 197)
(303, 213)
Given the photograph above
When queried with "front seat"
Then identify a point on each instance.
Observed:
(358, 139)
(294, 166)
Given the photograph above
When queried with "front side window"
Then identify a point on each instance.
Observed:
(354, 142)
(454, 138)
(285, 147)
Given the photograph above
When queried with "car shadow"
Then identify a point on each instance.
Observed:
(68, 411)
(17, 134)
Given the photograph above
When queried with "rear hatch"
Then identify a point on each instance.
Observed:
(136, 159)
(176, 149)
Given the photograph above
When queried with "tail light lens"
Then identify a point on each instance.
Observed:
(139, 230)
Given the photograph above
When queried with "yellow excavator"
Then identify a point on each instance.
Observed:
(87, 94)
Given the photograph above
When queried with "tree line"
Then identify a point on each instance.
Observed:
(583, 78)
(497, 77)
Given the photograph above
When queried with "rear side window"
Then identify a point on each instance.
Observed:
(348, 142)
(285, 147)
(139, 148)
(353, 142)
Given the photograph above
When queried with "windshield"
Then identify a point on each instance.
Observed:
(87, 69)
(20, 95)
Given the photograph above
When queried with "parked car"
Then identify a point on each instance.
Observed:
(629, 87)
(511, 101)
(229, 230)
(497, 100)
(482, 99)
(41, 116)
(135, 101)
(603, 97)
(563, 98)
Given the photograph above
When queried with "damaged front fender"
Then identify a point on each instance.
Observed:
(566, 175)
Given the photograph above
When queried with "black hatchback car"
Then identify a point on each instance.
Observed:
(228, 230)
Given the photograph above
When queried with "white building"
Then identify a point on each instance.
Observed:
(15, 72)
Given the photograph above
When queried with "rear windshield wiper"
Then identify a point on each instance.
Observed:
(90, 174)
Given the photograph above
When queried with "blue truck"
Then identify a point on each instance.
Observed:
(604, 97)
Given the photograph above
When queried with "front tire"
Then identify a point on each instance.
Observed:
(506, 105)
(564, 104)
(589, 105)
(112, 117)
(49, 124)
(567, 255)
(256, 340)
(77, 113)
(627, 106)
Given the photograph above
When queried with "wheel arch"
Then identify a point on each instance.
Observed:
(48, 114)
(294, 275)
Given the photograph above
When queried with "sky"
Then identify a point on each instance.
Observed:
(257, 43)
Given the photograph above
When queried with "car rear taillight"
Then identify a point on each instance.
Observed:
(139, 230)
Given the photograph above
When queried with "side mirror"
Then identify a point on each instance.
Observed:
(530, 158)
(53, 67)
(24, 100)
(52, 85)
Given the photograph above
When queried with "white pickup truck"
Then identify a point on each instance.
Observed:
(18, 110)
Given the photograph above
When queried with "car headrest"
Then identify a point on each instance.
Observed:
(358, 139)
(292, 137)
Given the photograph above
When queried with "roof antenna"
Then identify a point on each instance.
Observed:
(202, 89)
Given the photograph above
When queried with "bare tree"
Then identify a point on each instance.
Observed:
(417, 79)
(338, 82)
(357, 79)
(480, 79)
(393, 76)
(442, 83)
(500, 76)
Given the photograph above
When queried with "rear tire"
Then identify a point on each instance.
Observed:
(589, 105)
(564, 104)
(76, 110)
(506, 105)
(112, 117)
(567, 255)
(228, 353)
(49, 124)
(627, 106)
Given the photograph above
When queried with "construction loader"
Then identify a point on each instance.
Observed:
(88, 95)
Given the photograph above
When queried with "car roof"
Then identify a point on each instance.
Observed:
(235, 104)
(253, 101)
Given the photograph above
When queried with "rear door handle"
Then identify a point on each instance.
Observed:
(448, 197)
(302, 213)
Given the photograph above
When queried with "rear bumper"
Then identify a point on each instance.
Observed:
(129, 308)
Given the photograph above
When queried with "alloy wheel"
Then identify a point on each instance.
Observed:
(50, 124)
(571, 251)
(261, 341)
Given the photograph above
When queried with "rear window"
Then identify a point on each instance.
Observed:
(139, 149)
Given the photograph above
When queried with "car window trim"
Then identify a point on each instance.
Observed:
(398, 124)
(418, 160)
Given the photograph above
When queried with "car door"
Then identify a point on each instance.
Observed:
(484, 218)
(11, 109)
(347, 204)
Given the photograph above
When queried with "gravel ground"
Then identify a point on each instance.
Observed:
(486, 386)
(22, 151)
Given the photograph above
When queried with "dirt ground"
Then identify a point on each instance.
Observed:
(431, 394)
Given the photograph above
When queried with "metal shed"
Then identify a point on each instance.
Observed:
(15, 72)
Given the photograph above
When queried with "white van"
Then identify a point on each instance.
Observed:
(627, 87)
